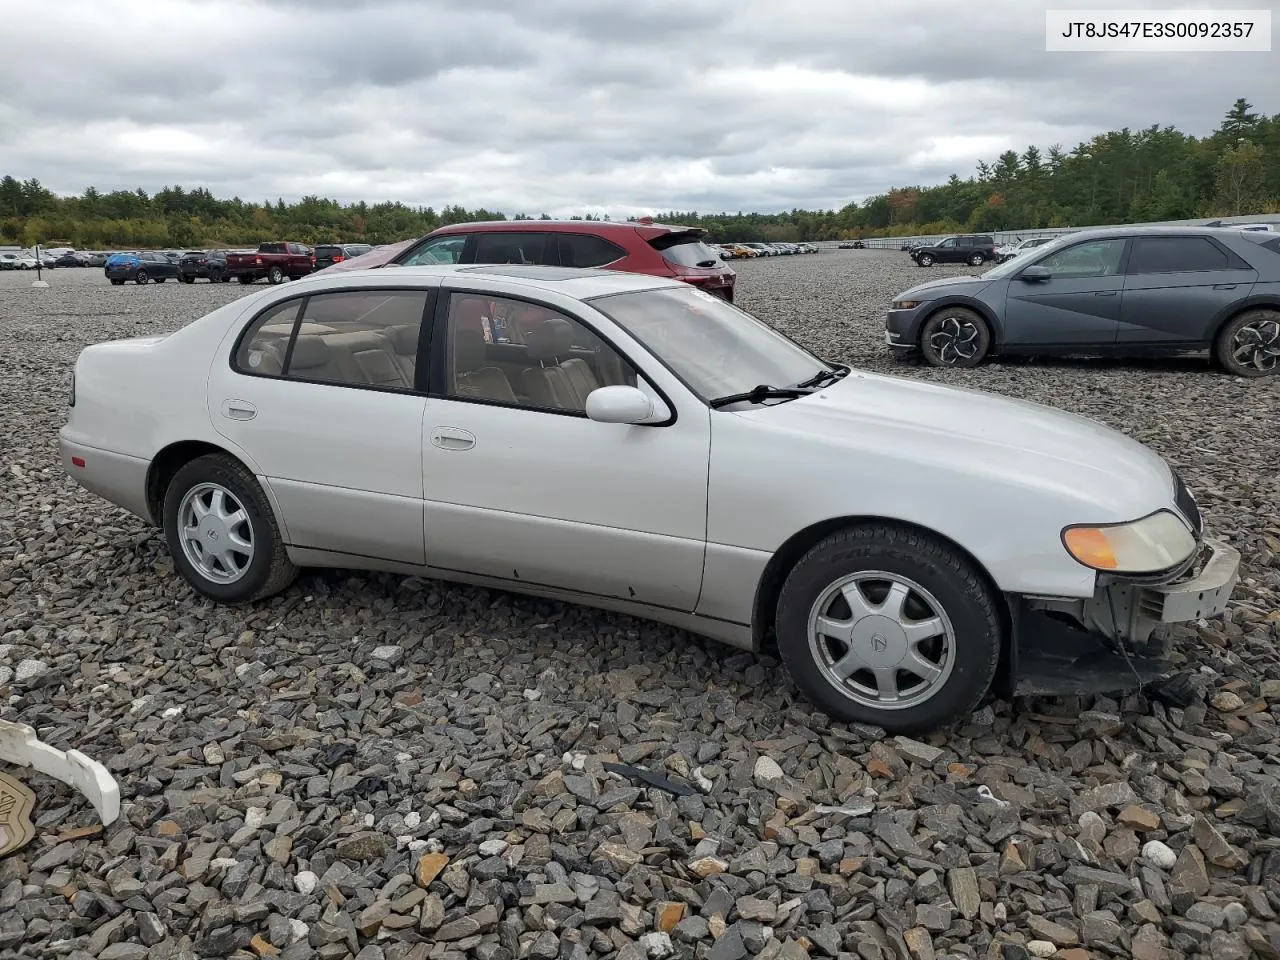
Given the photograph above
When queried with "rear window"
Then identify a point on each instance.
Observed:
(358, 249)
(328, 251)
(273, 248)
(686, 251)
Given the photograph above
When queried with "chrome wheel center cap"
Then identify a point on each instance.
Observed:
(879, 641)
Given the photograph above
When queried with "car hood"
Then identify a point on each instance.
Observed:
(943, 286)
(1005, 440)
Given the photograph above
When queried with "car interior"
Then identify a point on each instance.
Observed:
(522, 353)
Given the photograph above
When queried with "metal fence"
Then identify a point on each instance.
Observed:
(1013, 236)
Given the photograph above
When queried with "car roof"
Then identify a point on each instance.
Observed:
(601, 227)
(1116, 233)
(579, 283)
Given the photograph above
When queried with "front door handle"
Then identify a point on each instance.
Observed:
(1224, 286)
(452, 438)
(238, 410)
(1105, 293)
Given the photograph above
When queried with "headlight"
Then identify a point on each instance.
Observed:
(906, 304)
(1158, 542)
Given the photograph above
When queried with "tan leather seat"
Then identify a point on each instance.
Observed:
(473, 377)
(313, 359)
(548, 384)
(404, 344)
(368, 358)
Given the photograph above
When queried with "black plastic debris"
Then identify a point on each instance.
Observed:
(651, 778)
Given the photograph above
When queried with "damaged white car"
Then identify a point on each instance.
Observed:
(631, 443)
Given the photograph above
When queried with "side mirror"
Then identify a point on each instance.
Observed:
(1035, 274)
(624, 404)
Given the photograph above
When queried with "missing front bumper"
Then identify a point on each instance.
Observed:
(1114, 641)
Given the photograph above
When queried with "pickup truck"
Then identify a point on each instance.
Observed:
(277, 261)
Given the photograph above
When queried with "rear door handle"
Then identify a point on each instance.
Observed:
(1224, 286)
(452, 438)
(1105, 293)
(238, 410)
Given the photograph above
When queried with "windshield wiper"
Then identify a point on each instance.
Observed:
(759, 394)
(825, 376)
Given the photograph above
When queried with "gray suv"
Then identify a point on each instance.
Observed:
(1138, 291)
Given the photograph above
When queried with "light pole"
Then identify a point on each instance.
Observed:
(39, 280)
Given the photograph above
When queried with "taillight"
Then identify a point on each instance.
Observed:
(313, 259)
(338, 259)
(257, 260)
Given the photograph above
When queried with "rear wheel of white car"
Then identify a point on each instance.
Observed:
(222, 534)
(883, 625)
(1249, 345)
(955, 337)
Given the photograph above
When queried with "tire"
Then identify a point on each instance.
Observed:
(955, 337)
(924, 260)
(117, 283)
(245, 279)
(887, 566)
(140, 277)
(977, 260)
(268, 569)
(275, 275)
(1249, 344)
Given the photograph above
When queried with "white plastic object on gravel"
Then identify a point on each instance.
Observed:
(19, 745)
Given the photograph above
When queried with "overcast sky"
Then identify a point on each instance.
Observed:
(571, 106)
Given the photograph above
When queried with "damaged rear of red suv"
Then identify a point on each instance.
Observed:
(641, 246)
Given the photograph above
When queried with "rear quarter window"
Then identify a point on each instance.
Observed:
(584, 250)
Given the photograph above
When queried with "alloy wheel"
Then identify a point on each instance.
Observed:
(1257, 345)
(955, 340)
(215, 532)
(882, 640)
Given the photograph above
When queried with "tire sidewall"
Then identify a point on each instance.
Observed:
(977, 260)
(216, 469)
(1223, 345)
(925, 260)
(140, 277)
(933, 322)
(977, 633)
(275, 275)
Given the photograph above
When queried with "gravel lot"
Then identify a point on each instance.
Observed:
(388, 767)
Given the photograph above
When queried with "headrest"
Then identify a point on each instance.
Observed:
(549, 341)
(470, 314)
(405, 339)
(468, 350)
(309, 352)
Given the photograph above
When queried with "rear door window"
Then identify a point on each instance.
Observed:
(514, 247)
(1175, 255)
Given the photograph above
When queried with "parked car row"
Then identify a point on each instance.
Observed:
(743, 251)
(48, 260)
(1135, 291)
(276, 261)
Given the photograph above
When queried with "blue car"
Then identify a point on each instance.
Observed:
(140, 268)
(1135, 291)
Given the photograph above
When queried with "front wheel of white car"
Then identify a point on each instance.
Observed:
(885, 626)
(222, 534)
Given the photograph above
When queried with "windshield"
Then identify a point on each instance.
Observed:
(714, 347)
(1009, 267)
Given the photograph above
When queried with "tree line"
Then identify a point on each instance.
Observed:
(1122, 176)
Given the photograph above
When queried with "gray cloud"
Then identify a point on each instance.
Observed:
(571, 105)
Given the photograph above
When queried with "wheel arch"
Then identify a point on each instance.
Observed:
(1260, 302)
(769, 588)
(170, 460)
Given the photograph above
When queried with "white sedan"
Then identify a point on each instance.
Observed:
(634, 444)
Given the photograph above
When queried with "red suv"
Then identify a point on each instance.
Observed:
(639, 247)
